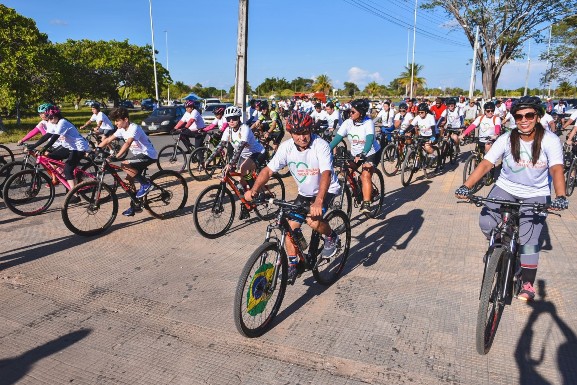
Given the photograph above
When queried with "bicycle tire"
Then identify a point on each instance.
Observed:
(377, 193)
(96, 211)
(327, 271)
(211, 203)
(24, 189)
(343, 201)
(470, 164)
(425, 162)
(274, 188)
(253, 309)
(11, 168)
(6, 155)
(408, 167)
(390, 160)
(171, 157)
(452, 152)
(490, 306)
(195, 164)
(169, 195)
(116, 146)
(570, 181)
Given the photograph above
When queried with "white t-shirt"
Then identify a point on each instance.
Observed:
(486, 126)
(334, 116)
(387, 117)
(501, 110)
(452, 118)
(560, 109)
(357, 135)
(573, 116)
(405, 120)
(198, 121)
(106, 123)
(322, 115)
(141, 143)
(461, 107)
(545, 121)
(509, 122)
(471, 111)
(306, 166)
(70, 138)
(243, 134)
(523, 179)
(425, 125)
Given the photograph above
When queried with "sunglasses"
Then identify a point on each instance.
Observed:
(489, 110)
(422, 112)
(528, 116)
(402, 110)
(354, 111)
(233, 119)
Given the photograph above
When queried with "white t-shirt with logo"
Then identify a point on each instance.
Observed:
(243, 134)
(452, 118)
(461, 107)
(509, 122)
(306, 166)
(198, 121)
(357, 135)
(334, 116)
(387, 117)
(425, 125)
(141, 144)
(486, 126)
(523, 179)
(70, 138)
(322, 115)
(106, 123)
(405, 120)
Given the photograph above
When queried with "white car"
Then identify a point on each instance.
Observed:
(208, 115)
(208, 101)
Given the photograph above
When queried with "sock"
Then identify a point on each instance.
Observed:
(528, 275)
(293, 259)
(140, 179)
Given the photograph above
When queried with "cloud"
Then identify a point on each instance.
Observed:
(58, 22)
(361, 77)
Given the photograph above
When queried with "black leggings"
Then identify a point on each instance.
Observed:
(198, 138)
(72, 157)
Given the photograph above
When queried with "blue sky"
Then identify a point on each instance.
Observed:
(286, 39)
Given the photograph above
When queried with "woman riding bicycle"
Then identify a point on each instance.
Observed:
(360, 130)
(529, 153)
(41, 126)
(425, 122)
(268, 124)
(193, 126)
(489, 126)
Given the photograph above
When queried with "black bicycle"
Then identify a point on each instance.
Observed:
(262, 283)
(501, 276)
(417, 158)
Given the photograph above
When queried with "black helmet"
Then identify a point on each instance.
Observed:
(423, 107)
(95, 105)
(361, 105)
(451, 101)
(528, 102)
(403, 106)
(263, 104)
(489, 106)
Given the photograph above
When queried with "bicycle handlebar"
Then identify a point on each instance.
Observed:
(479, 200)
(260, 199)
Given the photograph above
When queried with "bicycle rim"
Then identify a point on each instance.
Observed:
(377, 192)
(195, 164)
(571, 178)
(168, 196)
(390, 160)
(470, 165)
(491, 304)
(171, 158)
(28, 192)
(273, 189)
(95, 212)
(258, 295)
(408, 168)
(343, 201)
(214, 211)
(327, 270)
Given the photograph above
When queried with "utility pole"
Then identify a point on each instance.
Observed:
(168, 90)
(241, 50)
(474, 65)
(528, 69)
(550, 69)
(413, 63)
(153, 54)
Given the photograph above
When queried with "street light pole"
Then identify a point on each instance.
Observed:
(528, 69)
(413, 63)
(474, 65)
(153, 53)
(168, 90)
(241, 52)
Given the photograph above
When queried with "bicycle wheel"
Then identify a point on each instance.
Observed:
(491, 303)
(274, 188)
(168, 196)
(390, 160)
(569, 183)
(195, 164)
(377, 192)
(95, 212)
(28, 192)
(327, 270)
(452, 152)
(429, 163)
(6, 155)
(171, 157)
(258, 294)
(408, 168)
(214, 211)
(9, 169)
(343, 201)
(470, 164)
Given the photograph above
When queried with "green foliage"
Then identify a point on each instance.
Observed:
(301, 84)
(271, 85)
(322, 84)
(350, 89)
(563, 55)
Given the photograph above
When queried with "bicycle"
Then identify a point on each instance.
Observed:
(284, 172)
(114, 146)
(417, 158)
(448, 148)
(570, 158)
(13, 167)
(262, 284)
(473, 161)
(215, 207)
(98, 206)
(24, 191)
(173, 156)
(501, 276)
(196, 162)
(352, 186)
(394, 153)
(6, 155)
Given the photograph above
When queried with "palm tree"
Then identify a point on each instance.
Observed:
(404, 78)
(373, 88)
(322, 84)
(565, 89)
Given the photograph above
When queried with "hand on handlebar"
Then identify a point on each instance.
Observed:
(463, 192)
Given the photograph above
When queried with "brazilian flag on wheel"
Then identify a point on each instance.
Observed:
(257, 294)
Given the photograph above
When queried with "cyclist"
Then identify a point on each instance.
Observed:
(334, 117)
(403, 118)
(437, 110)
(270, 125)
(193, 126)
(451, 118)
(103, 124)
(72, 146)
(411, 107)
(316, 181)
(500, 109)
(529, 154)
(425, 122)
(141, 147)
(219, 121)
(470, 112)
(569, 121)
(387, 116)
(360, 131)
(41, 126)
(489, 126)
(251, 113)
(320, 119)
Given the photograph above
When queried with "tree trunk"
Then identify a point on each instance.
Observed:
(489, 82)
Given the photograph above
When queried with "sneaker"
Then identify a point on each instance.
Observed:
(366, 207)
(292, 272)
(331, 246)
(144, 189)
(131, 211)
(527, 292)
(74, 199)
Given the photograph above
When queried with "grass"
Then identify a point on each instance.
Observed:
(78, 117)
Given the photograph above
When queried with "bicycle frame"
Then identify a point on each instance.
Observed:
(51, 167)
(227, 178)
(113, 170)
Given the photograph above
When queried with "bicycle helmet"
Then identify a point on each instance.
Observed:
(95, 105)
(189, 103)
(219, 111)
(43, 107)
(299, 123)
(403, 106)
(361, 105)
(423, 107)
(232, 111)
(53, 111)
(527, 102)
(451, 101)
(264, 104)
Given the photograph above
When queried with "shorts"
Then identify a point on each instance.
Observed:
(140, 162)
(373, 159)
(307, 201)
(259, 158)
(106, 133)
(276, 137)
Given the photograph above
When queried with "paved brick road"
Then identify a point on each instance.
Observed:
(150, 302)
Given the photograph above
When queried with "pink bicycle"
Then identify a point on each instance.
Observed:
(31, 191)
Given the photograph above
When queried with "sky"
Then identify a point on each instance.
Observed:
(286, 39)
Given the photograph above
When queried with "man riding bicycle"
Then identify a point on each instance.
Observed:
(269, 125)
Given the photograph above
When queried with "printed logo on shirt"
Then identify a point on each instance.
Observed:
(525, 161)
(301, 170)
(354, 139)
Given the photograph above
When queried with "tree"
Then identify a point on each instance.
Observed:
(373, 89)
(565, 89)
(411, 72)
(301, 85)
(504, 27)
(350, 89)
(563, 55)
(270, 85)
(322, 84)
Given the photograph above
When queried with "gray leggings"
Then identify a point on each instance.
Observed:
(530, 225)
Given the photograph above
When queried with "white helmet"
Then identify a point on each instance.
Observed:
(232, 111)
